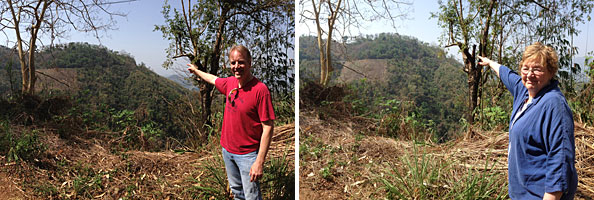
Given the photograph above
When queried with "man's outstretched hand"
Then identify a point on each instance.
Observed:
(209, 78)
(192, 68)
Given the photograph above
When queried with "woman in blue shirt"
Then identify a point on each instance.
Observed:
(541, 152)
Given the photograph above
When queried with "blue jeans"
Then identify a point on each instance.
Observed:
(238, 173)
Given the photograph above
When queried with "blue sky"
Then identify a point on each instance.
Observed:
(135, 33)
(420, 25)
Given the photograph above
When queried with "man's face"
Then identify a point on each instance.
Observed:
(240, 64)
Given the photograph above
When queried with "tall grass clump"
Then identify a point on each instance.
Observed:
(479, 183)
(422, 175)
(212, 183)
(279, 179)
(418, 176)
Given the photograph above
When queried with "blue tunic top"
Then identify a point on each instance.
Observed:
(541, 152)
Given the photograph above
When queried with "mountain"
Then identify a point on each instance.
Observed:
(182, 81)
(389, 66)
(106, 82)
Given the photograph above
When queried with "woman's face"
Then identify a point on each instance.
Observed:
(535, 76)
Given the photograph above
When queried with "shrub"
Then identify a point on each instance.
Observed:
(25, 147)
(493, 117)
(284, 109)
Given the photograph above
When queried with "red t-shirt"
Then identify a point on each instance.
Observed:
(244, 114)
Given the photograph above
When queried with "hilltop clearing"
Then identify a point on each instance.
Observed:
(343, 156)
(89, 166)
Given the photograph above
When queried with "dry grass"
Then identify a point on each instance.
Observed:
(84, 168)
(584, 145)
(342, 158)
(337, 161)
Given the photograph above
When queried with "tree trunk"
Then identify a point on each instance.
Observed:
(474, 76)
(206, 90)
(328, 65)
(473, 70)
(474, 79)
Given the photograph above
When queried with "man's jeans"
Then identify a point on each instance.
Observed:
(238, 173)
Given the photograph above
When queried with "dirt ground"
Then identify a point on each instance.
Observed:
(112, 175)
(343, 158)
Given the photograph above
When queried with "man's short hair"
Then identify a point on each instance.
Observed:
(243, 50)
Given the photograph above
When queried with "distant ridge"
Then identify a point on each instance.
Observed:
(98, 77)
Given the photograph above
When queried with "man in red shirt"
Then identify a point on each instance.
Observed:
(248, 123)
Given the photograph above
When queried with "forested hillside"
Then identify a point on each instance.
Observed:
(391, 75)
(105, 82)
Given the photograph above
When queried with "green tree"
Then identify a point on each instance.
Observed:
(201, 32)
(501, 28)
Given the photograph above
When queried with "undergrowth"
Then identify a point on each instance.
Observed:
(210, 181)
(61, 175)
(421, 175)
(20, 147)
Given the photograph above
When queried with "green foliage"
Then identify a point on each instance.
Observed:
(492, 117)
(420, 179)
(583, 110)
(24, 147)
(214, 184)
(284, 110)
(399, 121)
(136, 133)
(122, 120)
(279, 179)
(82, 55)
(12, 77)
(582, 104)
(326, 172)
(427, 85)
(87, 181)
(110, 83)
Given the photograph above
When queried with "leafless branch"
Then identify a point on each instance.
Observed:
(59, 81)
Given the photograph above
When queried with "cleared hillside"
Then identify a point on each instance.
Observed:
(343, 157)
(372, 69)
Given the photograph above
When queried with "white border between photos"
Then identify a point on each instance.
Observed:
(296, 52)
